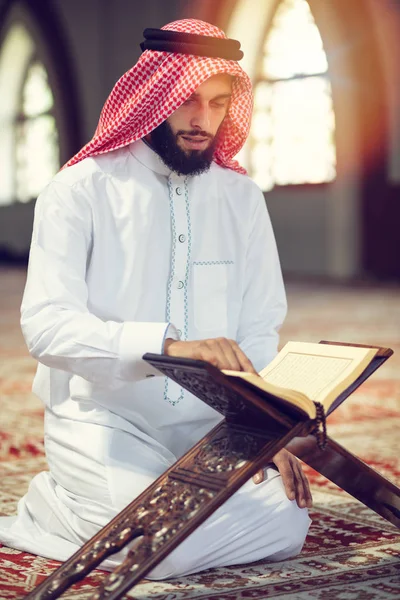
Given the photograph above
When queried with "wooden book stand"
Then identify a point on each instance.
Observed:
(253, 431)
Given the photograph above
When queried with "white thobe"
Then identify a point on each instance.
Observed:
(124, 254)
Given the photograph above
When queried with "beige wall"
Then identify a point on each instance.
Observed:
(102, 40)
(386, 22)
(318, 228)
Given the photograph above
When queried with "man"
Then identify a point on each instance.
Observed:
(153, 240)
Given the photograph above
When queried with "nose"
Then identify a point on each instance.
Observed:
(201, 118)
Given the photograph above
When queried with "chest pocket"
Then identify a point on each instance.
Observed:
(210, 286)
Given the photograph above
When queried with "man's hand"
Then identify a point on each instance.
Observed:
(220, 352)
(295, 482)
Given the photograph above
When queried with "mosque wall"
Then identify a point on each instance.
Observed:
(323, 230)
(100, 41)
(344, 229)
(104, 40)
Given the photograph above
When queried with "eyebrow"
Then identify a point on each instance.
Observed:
(219, 97)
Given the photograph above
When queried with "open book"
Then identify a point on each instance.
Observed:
(304, 382)
(304, 374)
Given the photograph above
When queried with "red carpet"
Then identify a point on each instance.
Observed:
(350, 554)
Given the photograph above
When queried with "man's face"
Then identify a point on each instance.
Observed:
(186, 141)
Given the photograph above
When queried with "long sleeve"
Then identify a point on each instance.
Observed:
(264, 301)
(59, 330)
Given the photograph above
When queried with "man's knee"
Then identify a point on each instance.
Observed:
(166, 569)
(294, 526)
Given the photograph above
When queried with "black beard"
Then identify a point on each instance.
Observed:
(164, 142)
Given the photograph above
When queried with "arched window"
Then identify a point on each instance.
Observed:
(29, 152)
(37, 156)
(292, 139)
(39, 109)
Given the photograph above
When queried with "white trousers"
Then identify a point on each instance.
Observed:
(96, 471)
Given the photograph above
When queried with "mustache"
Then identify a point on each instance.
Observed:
(195, 133)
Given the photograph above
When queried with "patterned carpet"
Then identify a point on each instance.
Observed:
(350, 553)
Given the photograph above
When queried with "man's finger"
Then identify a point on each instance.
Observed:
(306, 491)
(300, 495)
(259, 476)
(245, 363)
(288, 478)
(230, 356)
(213, 353)
(303, 497)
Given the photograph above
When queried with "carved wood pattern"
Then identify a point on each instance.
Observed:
(226, 395)
(170, 509)
(176, 503)
(211, 392)
(173, 505)
(229, 450)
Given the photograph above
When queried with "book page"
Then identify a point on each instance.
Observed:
(295, 398)
(319, 371)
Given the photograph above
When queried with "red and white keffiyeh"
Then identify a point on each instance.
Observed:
(157, 85)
